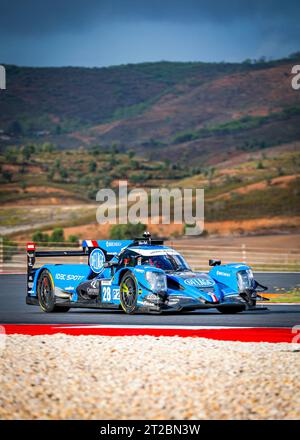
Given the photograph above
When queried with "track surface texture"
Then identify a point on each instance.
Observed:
(14, 310)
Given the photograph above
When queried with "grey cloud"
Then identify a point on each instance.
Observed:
(50, 16)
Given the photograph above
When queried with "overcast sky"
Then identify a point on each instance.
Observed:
(109, 32)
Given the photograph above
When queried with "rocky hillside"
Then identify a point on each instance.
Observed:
(205, 112)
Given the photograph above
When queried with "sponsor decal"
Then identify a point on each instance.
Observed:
(199, 282)
(93, 289)
(106, 282)
(154, 252)
(109, 294)
(146, 303)
(139, 270)
(113, 244)
(95, 284)
(97, 260)
(173, 300)
(92, 292)
(223, 274)
(214, 298)
(68, 277)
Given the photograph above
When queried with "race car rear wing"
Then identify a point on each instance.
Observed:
(114, 247)
(110, 248)
(32, 254)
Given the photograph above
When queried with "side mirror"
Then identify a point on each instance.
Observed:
(214, 262)
(110, 264)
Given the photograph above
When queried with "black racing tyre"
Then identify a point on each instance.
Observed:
(46, 295)
(231, 310)
(128, 293)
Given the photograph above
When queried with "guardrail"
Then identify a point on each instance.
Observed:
(13, 256)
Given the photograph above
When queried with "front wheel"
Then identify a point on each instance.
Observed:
(128, 293)
(231, 310)
(45, 293)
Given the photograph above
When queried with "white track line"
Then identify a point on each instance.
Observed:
(160, 327)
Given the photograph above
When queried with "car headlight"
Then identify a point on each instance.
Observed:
(245, 280)
(157, 281)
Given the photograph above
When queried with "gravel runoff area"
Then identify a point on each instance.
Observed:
(144, 377)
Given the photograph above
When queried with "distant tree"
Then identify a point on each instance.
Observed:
(85, 180)
(121, 232)
(50, 175)
(112, 160)
(10, 156)
(92, 193)
(23, 185)
(107, 181)
(211, 172)
(294, 55)
(131, 154)
(260, 165)
(27, 151)
(63, 173)
(22, 169)
(7, 175)
(57, 164)
(92, 166)
(57, 235)
(40, 237)
(114, 148)
(73, 239)
(167, 163)
(134, 164)
(48, 147)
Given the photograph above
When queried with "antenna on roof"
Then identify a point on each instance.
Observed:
(147, 235)
(146, 239)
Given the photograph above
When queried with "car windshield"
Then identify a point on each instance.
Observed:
(167, 262)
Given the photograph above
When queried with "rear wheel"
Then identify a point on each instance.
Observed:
(45, 293)
(231, 310)
(128, 293)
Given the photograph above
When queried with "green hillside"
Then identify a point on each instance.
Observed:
(186, 111)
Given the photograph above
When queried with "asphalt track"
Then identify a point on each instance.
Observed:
(14, 310)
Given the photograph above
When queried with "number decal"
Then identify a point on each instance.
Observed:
(106, 294)
(116, 294)
(110, 294)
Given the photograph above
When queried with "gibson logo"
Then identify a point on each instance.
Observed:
(199, 282)
(2, 78)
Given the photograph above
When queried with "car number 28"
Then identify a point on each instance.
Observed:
(109, 294)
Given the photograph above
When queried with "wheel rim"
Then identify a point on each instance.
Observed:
(129, 293)
(45, 291)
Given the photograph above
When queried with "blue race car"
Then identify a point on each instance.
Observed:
(140, 275)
